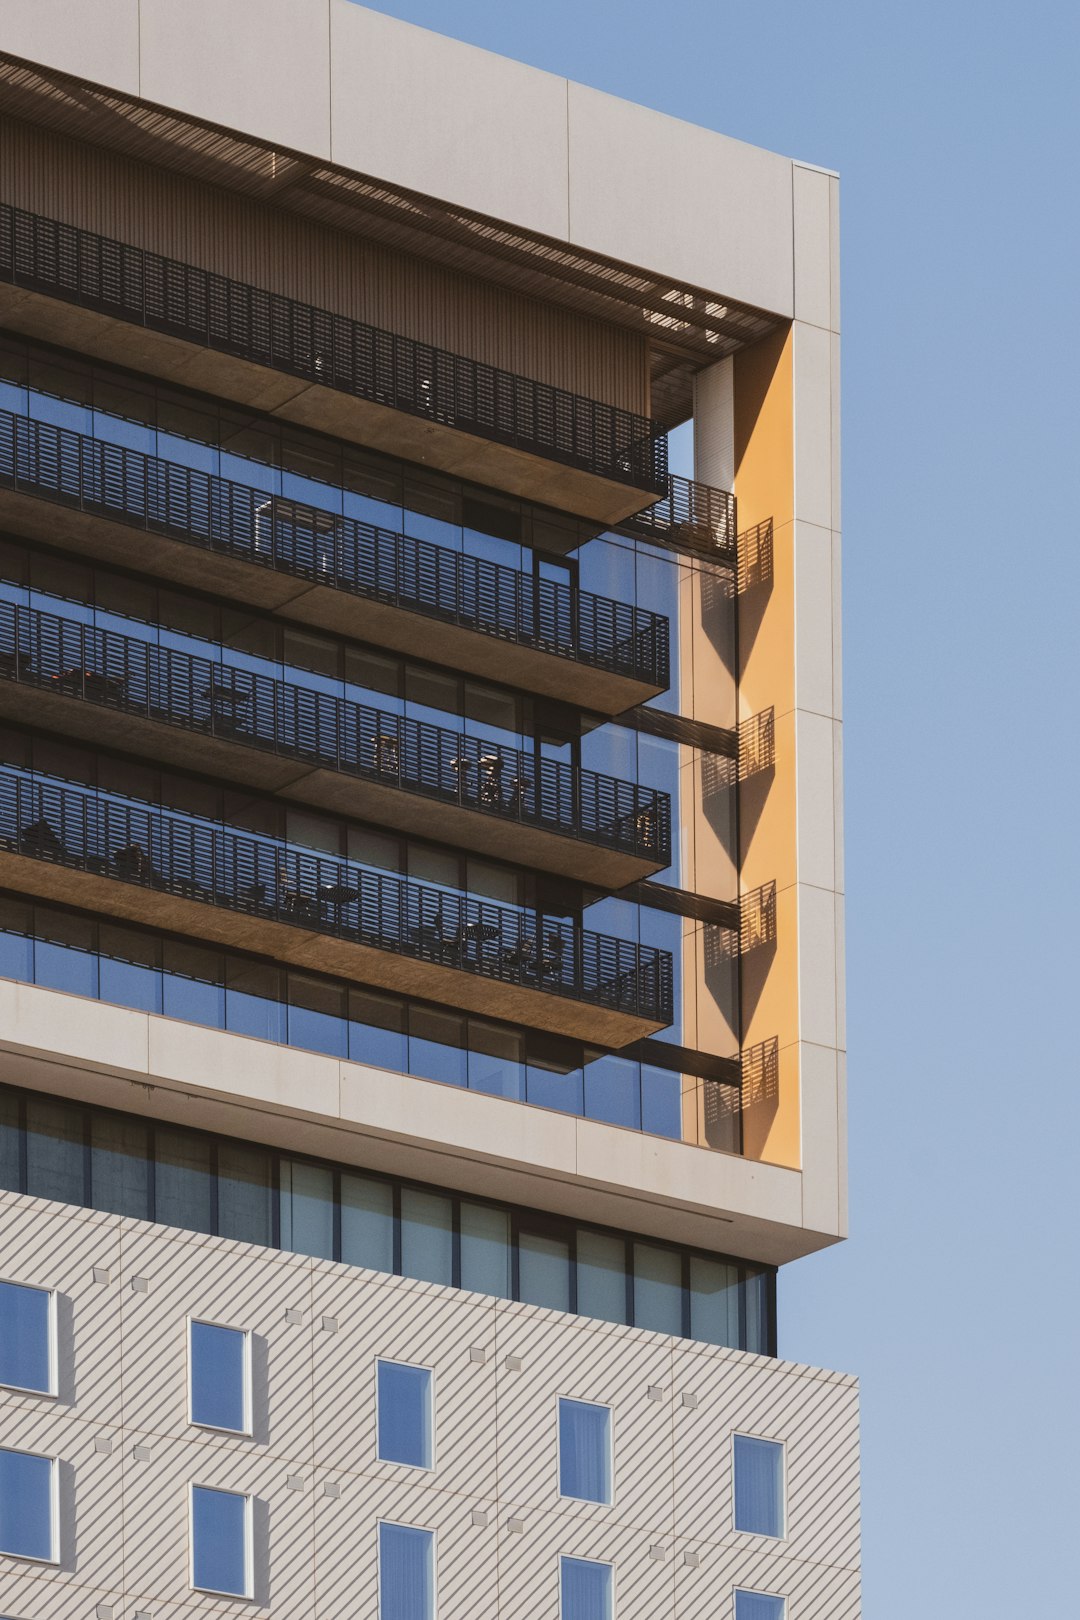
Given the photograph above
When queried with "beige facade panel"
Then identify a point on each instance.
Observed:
(403, 1125)
(498, 1371)
(486, 134)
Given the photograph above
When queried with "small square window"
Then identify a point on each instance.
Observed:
(758, 1606)
(27, 1338)
(220, 1377)
(585, 1451)
(759, 1486)
(404, 1414)
(28, 1508)
(586, 1589)
(221, 1542)
(406, 1573)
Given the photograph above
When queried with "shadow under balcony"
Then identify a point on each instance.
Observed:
(325, 371)
(202, 878)
(326, 570)
(201, 714)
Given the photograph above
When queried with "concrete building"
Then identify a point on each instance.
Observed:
(421, 944)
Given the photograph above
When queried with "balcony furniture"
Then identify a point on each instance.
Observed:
(254, 892)
(337, 894)
(293, 902)
(15, 664)
(491, 767)
(40, 839)
(134, 864)
(519, 786)
(92, 682)
(387, 753)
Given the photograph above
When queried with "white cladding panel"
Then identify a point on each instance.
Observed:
(125, 1291)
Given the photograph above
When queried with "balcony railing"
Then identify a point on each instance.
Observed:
(240, 521)
(195, 859)
(216, 312)
(55, 654)
(694, 517)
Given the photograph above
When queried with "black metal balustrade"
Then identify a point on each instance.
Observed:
(240, 521)
(694, 517)
(203, 695)
(195, 859)
(164, 295)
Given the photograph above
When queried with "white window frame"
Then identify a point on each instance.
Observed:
(216, 1428)
(579, 1558)
(760, 1535)
(418, 1468)
(249, 1555)
(54, 1508)
(610, 1410)
(397, 1524)
(751, 1591)
(51, 1351)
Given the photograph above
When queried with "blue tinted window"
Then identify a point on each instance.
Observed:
(25, 1337)
(404, 1414)
(219, 1541)
(427, 1237)
(758, 1606)
(584, 1451)
(759, 1486)
(585, 1589)
(406, 1573)
(26, 1505)
(219, 1377)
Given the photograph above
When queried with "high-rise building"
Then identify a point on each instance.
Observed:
(421, 1019)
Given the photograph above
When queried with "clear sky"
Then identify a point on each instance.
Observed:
(954, 125)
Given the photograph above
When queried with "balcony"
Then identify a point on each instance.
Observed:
(355, 759)
(692, 517)
(215, 882)
(326, 570)
(361, 383)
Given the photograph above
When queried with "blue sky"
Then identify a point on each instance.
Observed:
(954, 126)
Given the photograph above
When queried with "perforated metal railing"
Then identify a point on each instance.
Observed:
(165, 295)
(694, 517)
(52, 653)
(217, 514)
(197, 859)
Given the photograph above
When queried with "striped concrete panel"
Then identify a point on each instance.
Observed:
(416, 1322)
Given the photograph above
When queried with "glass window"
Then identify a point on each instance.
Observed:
(182, 1180)
(221, 1542)
(55, 1156)
(757, 1314)
(307, 1208)
(404, 1414)
(714, 1302)
(377, 1030)
(758, 1606)
(584, 1450)
(601, 1276)
(585, 1589)
(119, 1167)
(427, 1241)
(657, 1288)
(245, 1193)
(27, 1338)
(406, 1573)
(759, 1486)
(544, 1271)
(9, 1142)
(367, 1223)
(219, 1361)
(28, 1517)
(485, 1250)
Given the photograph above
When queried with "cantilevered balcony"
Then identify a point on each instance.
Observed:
(359, 382)
(276, 735)
(327, 570)
(216, 882)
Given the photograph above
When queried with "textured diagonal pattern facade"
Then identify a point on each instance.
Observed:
(119, 1427)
